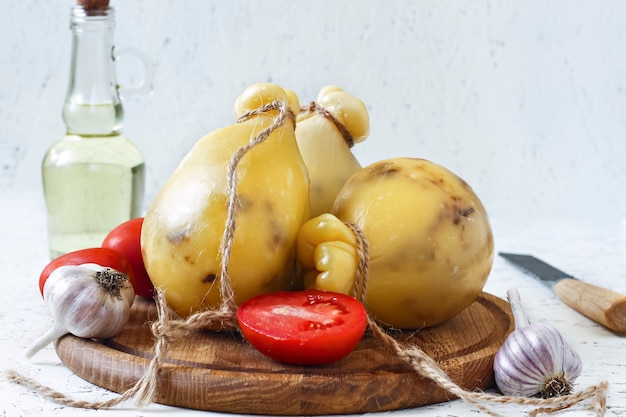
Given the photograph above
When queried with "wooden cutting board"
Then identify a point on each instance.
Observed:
(221, 372)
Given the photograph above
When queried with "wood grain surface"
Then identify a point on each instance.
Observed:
(221, 372)
(605, 306)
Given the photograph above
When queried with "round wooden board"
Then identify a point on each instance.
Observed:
(221, 372)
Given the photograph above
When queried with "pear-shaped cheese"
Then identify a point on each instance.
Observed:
(184, 225)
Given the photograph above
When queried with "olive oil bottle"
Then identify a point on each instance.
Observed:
(93, 178)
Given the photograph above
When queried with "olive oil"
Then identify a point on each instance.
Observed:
(91, 185)
(93, 178)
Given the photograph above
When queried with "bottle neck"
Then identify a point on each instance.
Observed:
(92, 105)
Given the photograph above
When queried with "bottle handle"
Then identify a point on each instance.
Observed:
(145, 85)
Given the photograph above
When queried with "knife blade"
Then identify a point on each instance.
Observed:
(602, 305)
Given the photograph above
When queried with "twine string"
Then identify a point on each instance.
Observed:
(314, 107)
(284, 112)
(166, 329)
(360, 281)
(427, 367)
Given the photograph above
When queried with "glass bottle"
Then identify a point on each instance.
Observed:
(93, 178)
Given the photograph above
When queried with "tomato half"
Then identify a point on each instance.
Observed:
(310, 327)
(101, 256)
(126, 239)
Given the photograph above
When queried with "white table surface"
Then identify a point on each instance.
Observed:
(590, 255)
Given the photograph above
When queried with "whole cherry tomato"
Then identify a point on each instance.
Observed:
(126, 239)
(101, 256)
(310, 327)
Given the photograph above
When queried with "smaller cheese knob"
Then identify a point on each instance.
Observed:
(347, 109)
(260, 94)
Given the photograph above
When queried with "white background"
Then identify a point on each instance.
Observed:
(526, 100)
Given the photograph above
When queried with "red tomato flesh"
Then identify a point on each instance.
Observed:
(308, 327)
(101, 256)
(126, 239)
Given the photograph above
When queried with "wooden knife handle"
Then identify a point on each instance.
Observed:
(604, 306)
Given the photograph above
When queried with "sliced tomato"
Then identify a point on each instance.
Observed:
(126, 239)
(310, 327)
(101, 256)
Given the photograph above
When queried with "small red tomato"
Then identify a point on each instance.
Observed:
(310, 327)
(126, 239)
(101, 256)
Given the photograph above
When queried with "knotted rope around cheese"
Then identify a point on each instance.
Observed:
(427, 367)
(314, 107)
(167, 329)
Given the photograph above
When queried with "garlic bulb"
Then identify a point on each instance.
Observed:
(88, 300)
(534, 359)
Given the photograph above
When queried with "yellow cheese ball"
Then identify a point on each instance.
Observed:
(183, 227)
(430, 240)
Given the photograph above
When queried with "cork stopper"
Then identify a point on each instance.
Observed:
(94, 7)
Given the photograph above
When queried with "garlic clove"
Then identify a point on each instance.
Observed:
(88, 301)
(535, 359)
